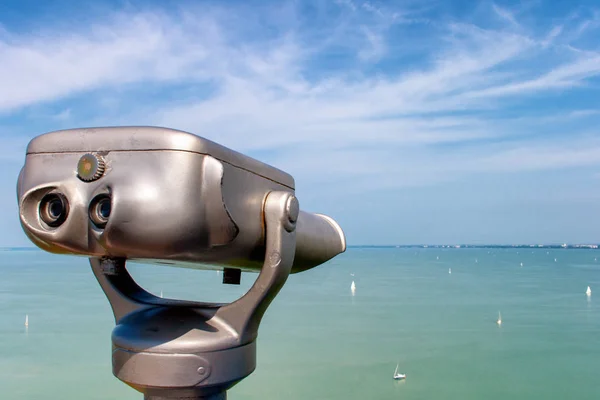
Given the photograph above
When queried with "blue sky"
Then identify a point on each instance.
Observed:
(408, 121)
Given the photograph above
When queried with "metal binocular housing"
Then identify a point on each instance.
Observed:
(164, 196)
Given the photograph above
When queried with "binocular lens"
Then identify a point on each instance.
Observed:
(53, 209)
(100, 210)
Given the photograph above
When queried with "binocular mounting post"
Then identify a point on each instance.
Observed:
(173, 349)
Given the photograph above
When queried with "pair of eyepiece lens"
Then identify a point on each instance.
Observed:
(54, 209)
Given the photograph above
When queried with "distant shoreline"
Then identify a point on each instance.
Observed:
(479, 246)
(426, 246)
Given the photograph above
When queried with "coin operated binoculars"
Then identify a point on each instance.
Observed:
(168, 197)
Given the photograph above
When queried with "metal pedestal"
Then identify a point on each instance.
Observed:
(171, 349)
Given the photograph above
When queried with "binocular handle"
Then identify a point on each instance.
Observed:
(281, 213)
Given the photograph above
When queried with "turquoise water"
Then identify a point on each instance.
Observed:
(319, 341)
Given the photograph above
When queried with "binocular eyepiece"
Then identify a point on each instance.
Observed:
(54, 209)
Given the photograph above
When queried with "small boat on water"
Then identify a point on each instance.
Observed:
(588, 292)
(398, 376)
(499, 321)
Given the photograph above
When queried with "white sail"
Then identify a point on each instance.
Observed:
(26, 320)
(449, 270)
(499, 321)
(397, 375)
(588, 291)
(353, 287)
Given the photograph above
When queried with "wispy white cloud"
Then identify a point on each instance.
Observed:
(376, 47)
(127, 49)
(331, 87)
(360, 170)
(588, 24)
(505, 15)
(553, 34)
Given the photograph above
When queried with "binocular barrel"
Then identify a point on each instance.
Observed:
(158, 195)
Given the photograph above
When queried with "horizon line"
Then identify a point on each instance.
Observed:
(589, 245)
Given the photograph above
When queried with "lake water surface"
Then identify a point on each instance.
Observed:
(319, 341)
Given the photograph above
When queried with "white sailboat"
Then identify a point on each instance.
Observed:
(499, 321)
(449, 270)
(26, 320)
(398, 376)
(588, 292)
(353, 287)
